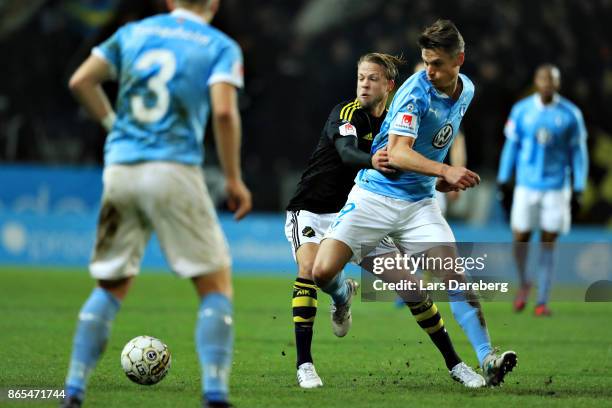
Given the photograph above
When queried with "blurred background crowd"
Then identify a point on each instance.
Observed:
(300, 60)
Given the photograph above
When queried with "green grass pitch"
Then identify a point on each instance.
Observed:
(385, 361)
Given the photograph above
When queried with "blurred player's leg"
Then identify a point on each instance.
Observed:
(546, 270)
(195, 247)
(524, 218)
(120, 241)
(92, 332)
(520, 249)
(215, 334)
(555, 219)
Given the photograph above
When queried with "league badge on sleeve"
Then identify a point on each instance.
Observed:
(347, 129)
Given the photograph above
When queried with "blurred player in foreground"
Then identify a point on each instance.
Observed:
(343, 149)
(546, 144)
(423, 119)
(172, 69)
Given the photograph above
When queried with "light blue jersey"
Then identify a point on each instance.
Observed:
(420, 111)
(545, 142)
(165, 65)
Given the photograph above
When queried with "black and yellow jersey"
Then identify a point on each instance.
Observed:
(327, 181)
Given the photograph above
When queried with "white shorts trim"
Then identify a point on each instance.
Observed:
(168, 198)
(548, 210)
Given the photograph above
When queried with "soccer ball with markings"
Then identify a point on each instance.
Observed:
(145, 360)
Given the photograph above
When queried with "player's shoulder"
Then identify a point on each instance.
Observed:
(347, 110)
(154, 20)
(220, 37)
(468, 85)
(415, 90)
(568, 106)
(524, 104)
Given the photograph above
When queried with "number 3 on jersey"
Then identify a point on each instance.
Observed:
(157, 84)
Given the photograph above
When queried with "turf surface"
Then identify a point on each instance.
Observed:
(385, 361)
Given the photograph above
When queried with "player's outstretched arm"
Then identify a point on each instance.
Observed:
(403, 157)
(350, 155)
(228, 137)
(85, 84)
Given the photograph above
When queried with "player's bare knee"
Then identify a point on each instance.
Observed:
(305, 269)
(548, 237)
(305, 256)
(321, 273)
(215, 282)
(522, 236)
(117, 287)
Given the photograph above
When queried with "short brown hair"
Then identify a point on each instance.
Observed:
(388, 62)
(442, 34)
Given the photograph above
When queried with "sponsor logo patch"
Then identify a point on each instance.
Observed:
(405, 121)
(348, 130)
(442, 136)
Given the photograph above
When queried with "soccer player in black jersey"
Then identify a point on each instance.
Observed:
(343, 149)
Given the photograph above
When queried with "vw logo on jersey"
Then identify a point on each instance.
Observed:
(442, 136)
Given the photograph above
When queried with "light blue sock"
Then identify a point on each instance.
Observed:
(214, 343)
(546, 274)
(468, 318)
(337, 289)
(95, 320)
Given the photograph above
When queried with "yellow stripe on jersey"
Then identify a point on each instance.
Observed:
(347, 107)
(356, 106)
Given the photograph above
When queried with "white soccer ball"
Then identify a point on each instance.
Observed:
(145, 360)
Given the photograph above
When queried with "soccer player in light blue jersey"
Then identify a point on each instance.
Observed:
(422, 122)
(172, 69)
(546, 144)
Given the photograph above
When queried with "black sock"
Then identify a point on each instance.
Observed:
(304, 305)
(427, 316)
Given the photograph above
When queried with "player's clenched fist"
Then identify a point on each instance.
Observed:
(380, 161)
(460, 177)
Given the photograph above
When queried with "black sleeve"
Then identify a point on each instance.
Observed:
(350, 154)
(346, 144)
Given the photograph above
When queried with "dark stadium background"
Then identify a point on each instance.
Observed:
(300, 61)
